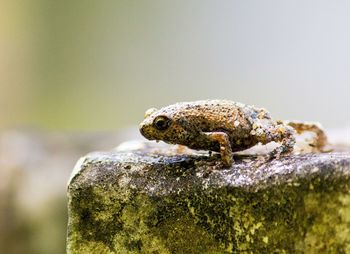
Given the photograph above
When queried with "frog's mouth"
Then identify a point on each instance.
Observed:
(146, 131)
(142, 130)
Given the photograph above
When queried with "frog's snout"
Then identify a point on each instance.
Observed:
(142, 129)
(145, 130)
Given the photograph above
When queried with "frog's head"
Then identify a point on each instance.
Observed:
(163, 125)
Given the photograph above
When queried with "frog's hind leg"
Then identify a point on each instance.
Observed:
(320, 141)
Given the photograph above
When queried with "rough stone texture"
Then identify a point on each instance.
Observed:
(176, 201)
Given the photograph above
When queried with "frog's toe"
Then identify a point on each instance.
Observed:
(227, 161)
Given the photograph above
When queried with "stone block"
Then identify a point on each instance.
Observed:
(158, 200)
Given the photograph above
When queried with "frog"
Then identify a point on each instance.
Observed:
(225, 127)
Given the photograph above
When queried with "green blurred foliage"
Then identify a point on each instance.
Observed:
(101, 64)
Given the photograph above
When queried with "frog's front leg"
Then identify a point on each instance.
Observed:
(225, 146)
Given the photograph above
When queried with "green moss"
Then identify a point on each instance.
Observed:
(329, 223)
(96, 217)
(219, 221)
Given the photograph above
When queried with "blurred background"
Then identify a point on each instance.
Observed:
(75, 75)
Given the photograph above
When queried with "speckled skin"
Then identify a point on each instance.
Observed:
(219, 125)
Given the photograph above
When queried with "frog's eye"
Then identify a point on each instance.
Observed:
(161, 123)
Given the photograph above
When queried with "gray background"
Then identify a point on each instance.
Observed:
(101, 64)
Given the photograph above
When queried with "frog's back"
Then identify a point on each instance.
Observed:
(214, 115)
(217, 107)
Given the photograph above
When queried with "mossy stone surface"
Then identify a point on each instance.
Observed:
(160, 202)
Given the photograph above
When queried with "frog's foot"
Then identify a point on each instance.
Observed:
(225, 146)
(281, 133)
(286, 136)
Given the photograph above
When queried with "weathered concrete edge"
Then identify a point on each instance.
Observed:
(336, 161)
(77, 168)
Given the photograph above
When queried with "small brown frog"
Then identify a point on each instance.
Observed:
(224, 126)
